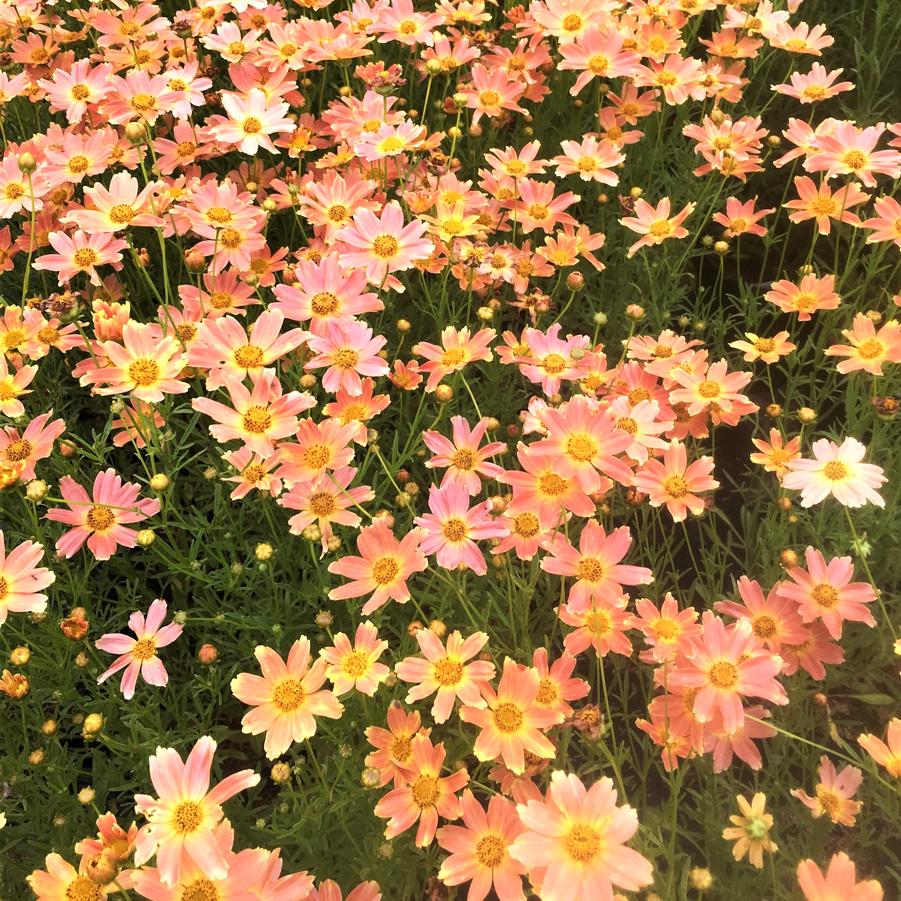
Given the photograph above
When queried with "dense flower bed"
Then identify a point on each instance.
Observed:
(448, 446)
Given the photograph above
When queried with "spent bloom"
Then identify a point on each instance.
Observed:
(751, 830)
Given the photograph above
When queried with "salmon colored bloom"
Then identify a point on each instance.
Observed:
(602, 627)
(320, 447)
(675, 482)
(21, 451)
(424, 796)
(100, 519)
(286, 698)
(886, 753)
(770, 350)
(834, 793)
(349, 350)
(250, 120)
(820, 203)
(664, 627)
(138, 654)
(480, 850)
(447, 672)
(541, 490)
(776, 455)
(825, 591)
(886, 224)
(458, 348)
(394, 746)
(574, 841)
(868, 348)
(465, 462)
(742, 218)
(122, 205)
(60, 881)
(254, 473)
(382, 569)
(598, 53)
(14, 386)
(600, 576)
(556, 684)
(813, 86)
(774, 619)
(712, 388)
(81, 252)
(512, 723)
(849, 150)
(838, 883)
(751, 830)
(356, 666)
(655, 224)
(181, 822)
(329, 890)
(812, 294)
(837, 470)
(22, 581)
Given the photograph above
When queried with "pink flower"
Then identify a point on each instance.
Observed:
(837, 470)
(138, 655)
(355, 666)
(834, 793)
(81, 252)
(21, 580)
(349, 350)
(251, 120)
(100, 519)
(462, 458)
(839, 881)
(675, 482)
(654, 224)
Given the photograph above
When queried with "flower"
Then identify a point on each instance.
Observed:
(138, 655)
(770, 350)
(462, 458)
(394, 745)
(181, 822)
(100, 519)
(382, 569)
(886, 753)
(349, 350)
(425, 794)
(574, 841)
(21, 580)
(286, 698)
(81, 252)
(819, 202)
(751, 830)
(458, 348)
(480, 849)
(834, 793)
(12, 387)
(655, 224)
(447, 672)
(837, 470)
(838, 882)
(251, 120)
(21, 451)
(810, 295)
(868, 348)
(777, 454)
(62, 881)
(675, 482)
(355, 666)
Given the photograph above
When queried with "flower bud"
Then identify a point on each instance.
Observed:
(264, 551)
(145, 537)
(280, 773)
(806, 415)
(160, 482)
(207, 654)
(444, 393)
(27, 163)
(19, 656)
(93, 723)
(86, 795)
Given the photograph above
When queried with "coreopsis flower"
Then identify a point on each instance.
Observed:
(556, 686)
(868, 348)
(742, 218)
(774, 619)
(511, 720)
(138, 653)
(838, 882)
(886, 224)
(725, 665)
(837, 470)
(677, 77)
(492, 91)
(541, 490)
(820, 203)
(834, 793)
(72, 90)
(356, 666)
(394, 745)
(723, 745)
(357, 409)
(22, 581)
(424, 795)
(287, 698)
(182, 821)
(21, 451)
(320, 447)
(600, 626)
(813, 86)
(751, 830)
(600, 576)
(251, 120)
(81, 252)
(655, 224)
(849, 150)
(712, 388)
(573, 841)
(382, 569)
(817, 650)
(463, 458)
(458, 348)
(770, 350)
(598, 53)
(17, 192)
(886, 753)
(777, 454)
(13, 386)
(812, 294)
(329, 890)
(825, 591)
(260, 416)
(479, 850)
(101, 519)
(122, 205)
(675, 482)
(348, 350)
(664, 627)
(60, 880)
(448, 672)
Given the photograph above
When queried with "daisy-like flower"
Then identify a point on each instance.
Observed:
(751, 830)
(479, 850)
(838, 883)
(60, 881)
(825, 591)
(710, 387)
(259, 417)
(849, 150)
(574, 841)
(349, 350)
(146, 365)
(886, 224)
(21, 451)
(458, 348)
(813, 86)
(182, 821)
(602, 627)
(557, 686)
(71, 90)
(812, 294)
(675, 482)
(394, 746)
(596, 565)
(837, 470)
(886, 753)
(725, 664)
(253, 473)
(286, 698)
(356, 666)
(742, 218)
(16, 193)
(598, 53)
(382, 569)
(80, 252)
(111, 209)
(770, 350)
(868, 348)
(102, 518)
(425, 794)
(22, 581)
(12, 387)
(655, 224)
(820, 203)
(834, 793)
(664, 627)
(512, 723)
(777, 454)
(774, 619)
(465, 462)
(447, 672)
(451, 528)
(138, 654)
(251, 119)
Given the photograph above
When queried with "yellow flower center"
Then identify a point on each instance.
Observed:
(230, 238)
(249, 356)
(187, 817)
(448, 671)
(627, 424)
(590, 569)
(675, 486)
(14, 190)
(121, 214)
(345, 358)
(408, 26)
(870, 349)
(82, 889)
(337, 212)
(825, 595)
(385, 570)
(489, 98)
(637, 395)
(401, 748)
(220, 300)
(823, 206)
(463, 459)
(723, 674)
(100, 518)
(78, 163)
(85, 258)
(507, 718)
(143, 103)
(144, 649)
(836, 471)
(355, 664)
(526, 525)
(854, 159)
(251, 126)
(324, 303)
(490, 850)
(453, 357)
(80, 92)
(667, 630)
(317, 456)
(709, 390)
(256, 420)
(288, 694)
(385, 246)
(662, 228)
(548, 692)
(582, 843)
(598, 623)
(572, 22)
(764, 626)
(19, 450)
(253, 473)
(425, 791)
(765, 345)
(665, 79)
(454, 529)
(598, 64)
(143, 371)
(322, 503)
(218, 215)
